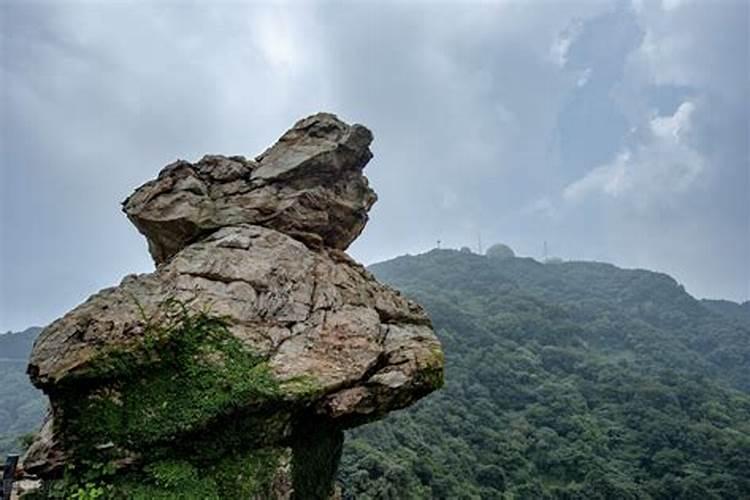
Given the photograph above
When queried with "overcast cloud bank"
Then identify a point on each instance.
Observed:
(616, 131)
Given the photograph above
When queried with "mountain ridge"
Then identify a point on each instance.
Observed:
(564, 380)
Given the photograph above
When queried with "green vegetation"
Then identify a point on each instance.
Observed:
(174, 403)
(248, 474)
(21, 405)
(734, 311)
(187, 372)
(17, 346)
(570, 381)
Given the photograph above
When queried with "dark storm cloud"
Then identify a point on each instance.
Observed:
(484, 116)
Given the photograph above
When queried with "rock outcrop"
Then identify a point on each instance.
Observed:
(308, 185)
(231, 371)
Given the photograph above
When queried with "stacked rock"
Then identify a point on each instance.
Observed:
(232, 369)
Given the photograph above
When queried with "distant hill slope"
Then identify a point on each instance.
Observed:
(729, 309)
(17, 345)
(21, 405)
(564, 380)
(573, 380)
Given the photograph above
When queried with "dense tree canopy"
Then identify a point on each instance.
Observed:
(572, 380)
(563, 381)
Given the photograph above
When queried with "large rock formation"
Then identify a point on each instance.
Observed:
(231, 370)
(308, 185)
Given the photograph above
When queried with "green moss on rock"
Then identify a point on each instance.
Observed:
(189, 413)
(244, 475)
(203, 372)
(248, 475)
(175, 405)
(434, 373)
(303, 387)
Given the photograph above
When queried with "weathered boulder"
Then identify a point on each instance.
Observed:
(308, 185)
(232, 369)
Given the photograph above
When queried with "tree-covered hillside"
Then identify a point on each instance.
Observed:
(564, 380)
(733, 310)
(17, 345)
(21, 405)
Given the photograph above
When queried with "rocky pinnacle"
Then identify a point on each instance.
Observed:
(257, 339)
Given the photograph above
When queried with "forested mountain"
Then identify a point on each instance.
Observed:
(17, 345)
(563, 380)
(21, 405)
(732, 310)
(574, 380)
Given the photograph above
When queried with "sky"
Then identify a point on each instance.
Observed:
(615, 131)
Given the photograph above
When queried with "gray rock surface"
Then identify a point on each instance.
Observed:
(315, 314)
(308, 185)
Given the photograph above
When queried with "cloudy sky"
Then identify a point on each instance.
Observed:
(613, 130)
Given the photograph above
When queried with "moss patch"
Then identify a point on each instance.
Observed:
(189, 371)
(176, 405)
(192, 414)
(302, 388)
(237, 475)
(249, 474)
(433, 373)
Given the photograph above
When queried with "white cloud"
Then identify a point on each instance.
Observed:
(274, 32)
(468, 98)
(540, 207)
(558, 51)
(665, 5)
(697, 44)
(583, 79)
(668, 5)
(673, 127)
(610, 179)
(665, 163)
